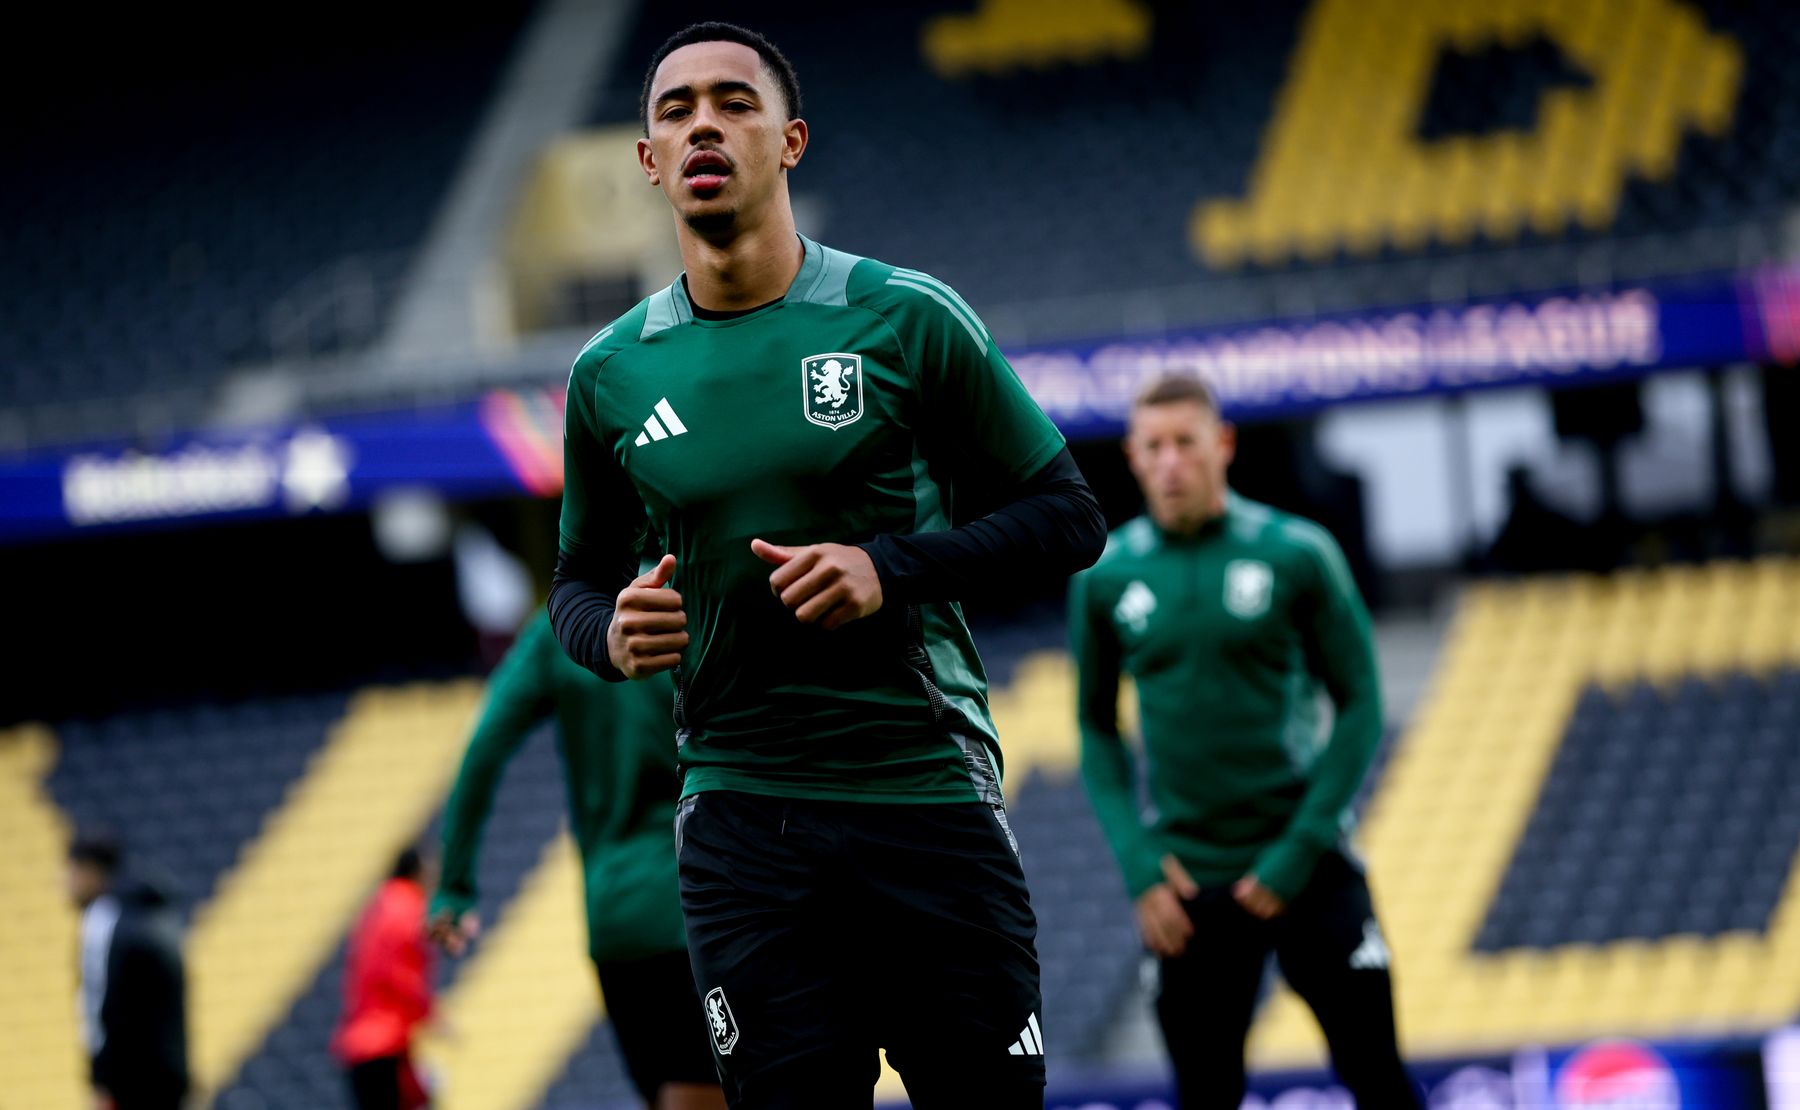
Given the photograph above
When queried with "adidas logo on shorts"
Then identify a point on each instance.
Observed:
(1030, 1042)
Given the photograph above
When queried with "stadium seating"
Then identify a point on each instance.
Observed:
(1666, 812)
(1588, 828)
(40, 1065)
(273, 819)
(293, 1066)
(1021, 162)
(1073, 168)
(279, 228)
(187, 789)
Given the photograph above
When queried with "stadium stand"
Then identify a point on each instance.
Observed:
(293, 1066)
(1666, 812)
(1588, 744)
(187, 789)
(38, 932)
(253, 201)
(987, 149)
(1588, 828)
(979, 143)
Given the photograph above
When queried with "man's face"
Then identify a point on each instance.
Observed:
(719, 136)
(1178, 453)
(84, 882)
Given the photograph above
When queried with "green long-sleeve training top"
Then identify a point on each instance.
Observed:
(1229, 634)
(617, 743)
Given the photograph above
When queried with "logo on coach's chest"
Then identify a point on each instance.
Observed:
(1135, 606)
(1249, 584)
(831, 389)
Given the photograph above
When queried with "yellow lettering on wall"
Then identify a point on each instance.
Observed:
(1024, 34)
(1342, 168)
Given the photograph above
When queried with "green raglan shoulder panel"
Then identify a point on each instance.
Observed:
(983, 412)
(824, 277)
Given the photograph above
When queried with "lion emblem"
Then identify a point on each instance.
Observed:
(723, 1025)
(831, 383)
(833, 388)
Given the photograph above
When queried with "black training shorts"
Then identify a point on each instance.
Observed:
(821, 931)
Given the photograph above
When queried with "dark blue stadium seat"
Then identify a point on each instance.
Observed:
(1667, 811)
(186, 789)
(145, 249)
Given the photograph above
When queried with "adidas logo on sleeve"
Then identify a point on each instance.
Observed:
(655, 429)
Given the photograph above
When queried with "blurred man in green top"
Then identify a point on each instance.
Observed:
(618, 756)
(1231, 617)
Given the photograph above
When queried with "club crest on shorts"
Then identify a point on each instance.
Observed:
(831, 389)
(1248, 586)
(719, 1020)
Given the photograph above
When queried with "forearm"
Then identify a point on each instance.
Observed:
(1053, 528)
(582, 597)
(465, 819)
(1108, 772)
(1286, 865)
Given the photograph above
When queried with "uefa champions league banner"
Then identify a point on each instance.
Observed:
(1288, 368)
(510, 442)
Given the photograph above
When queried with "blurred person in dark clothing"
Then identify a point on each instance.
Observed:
(133, 987)
(387, 992)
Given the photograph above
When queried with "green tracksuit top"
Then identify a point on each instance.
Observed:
(617, 745)
(846, 410)
(1229, 634)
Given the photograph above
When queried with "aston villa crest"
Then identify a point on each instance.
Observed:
(832, 389)
(718, 1017)
(1248, 585)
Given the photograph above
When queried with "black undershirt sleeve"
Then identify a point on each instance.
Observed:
(584, 589)
(581, 610)
(1051, 528)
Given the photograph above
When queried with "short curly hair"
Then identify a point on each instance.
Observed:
(1177, 387)
(772, 58)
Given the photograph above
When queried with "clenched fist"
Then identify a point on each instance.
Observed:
(649, 626)
(828, 584)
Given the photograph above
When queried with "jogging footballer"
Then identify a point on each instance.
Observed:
(797, 421)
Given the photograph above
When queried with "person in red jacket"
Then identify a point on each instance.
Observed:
(387, 992)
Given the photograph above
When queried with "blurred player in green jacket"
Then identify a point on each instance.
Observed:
(1231, 617)
(617, 745)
